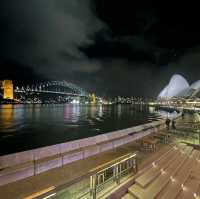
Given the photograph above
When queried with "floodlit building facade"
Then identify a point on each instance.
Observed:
(178, 87)
(7, 86)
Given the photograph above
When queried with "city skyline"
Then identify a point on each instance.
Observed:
(110, 48)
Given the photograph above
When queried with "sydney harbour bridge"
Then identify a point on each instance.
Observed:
(54, 87)
(45, 92)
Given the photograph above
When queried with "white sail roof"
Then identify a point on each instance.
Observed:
(176, 85)
(195, 85)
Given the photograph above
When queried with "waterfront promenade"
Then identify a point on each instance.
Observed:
(59, 176)
(77, 171)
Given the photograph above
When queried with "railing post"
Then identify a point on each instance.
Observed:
(93, 186)
(135, 164)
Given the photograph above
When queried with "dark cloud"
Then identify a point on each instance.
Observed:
(36, 32)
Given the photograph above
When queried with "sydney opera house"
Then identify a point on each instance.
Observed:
(179, 88)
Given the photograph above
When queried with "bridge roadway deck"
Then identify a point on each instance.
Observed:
(59, 176)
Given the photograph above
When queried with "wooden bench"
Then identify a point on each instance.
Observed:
(149, 143)
(163, 136)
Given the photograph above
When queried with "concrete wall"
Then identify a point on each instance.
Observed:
(28, 163)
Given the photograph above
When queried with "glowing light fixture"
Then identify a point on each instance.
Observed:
(163, 171)
(49, 196)
(175, 147)
(154, 164)
(195, 195)
(183, 187)
(172, 179)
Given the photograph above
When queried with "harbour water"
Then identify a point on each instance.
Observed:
(24, 127)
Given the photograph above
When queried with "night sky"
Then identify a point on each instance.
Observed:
(105, 46)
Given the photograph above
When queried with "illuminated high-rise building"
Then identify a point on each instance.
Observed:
(7, 86)
(93, 98)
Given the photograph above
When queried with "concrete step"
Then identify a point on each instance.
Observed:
(128, 196)
(147, 177)
(152, 190)
(173, 188)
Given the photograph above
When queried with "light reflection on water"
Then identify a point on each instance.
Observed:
(25, 127)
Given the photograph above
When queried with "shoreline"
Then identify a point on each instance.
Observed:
(63, 129)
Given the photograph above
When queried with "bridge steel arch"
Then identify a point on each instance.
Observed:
(43, 87)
